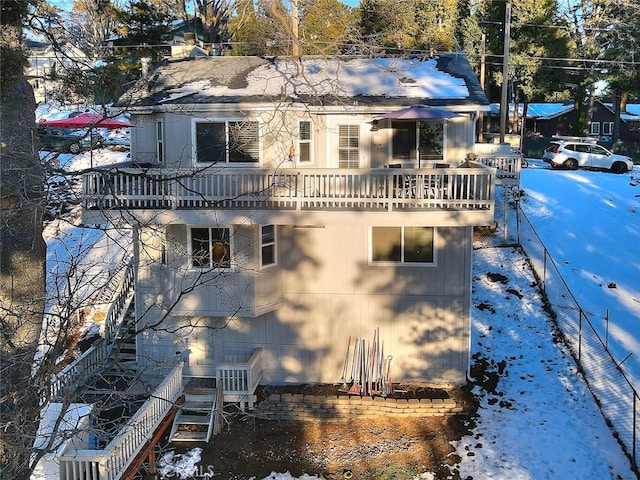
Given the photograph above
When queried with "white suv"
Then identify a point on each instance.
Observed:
(585, 153)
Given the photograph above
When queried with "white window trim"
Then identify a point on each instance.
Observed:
(275, 247)
(193, 268)
(404, 264)
(161, 146)
(225, 120)
(607, 128)
(594, 128)
(309, 142)
(360, 142)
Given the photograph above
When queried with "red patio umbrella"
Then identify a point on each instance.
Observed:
(88, 120)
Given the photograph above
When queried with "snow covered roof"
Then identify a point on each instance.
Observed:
(540, 111)
(546, 111)
(631, 113)
(444, 80)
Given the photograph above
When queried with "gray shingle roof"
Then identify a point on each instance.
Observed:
(446, 79)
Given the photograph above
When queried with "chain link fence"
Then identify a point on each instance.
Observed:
(615, 395)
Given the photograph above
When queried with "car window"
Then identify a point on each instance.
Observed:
(598, 150)
(570, 146)
(583, 148)
(552, 147)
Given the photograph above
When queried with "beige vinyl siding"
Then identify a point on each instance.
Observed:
(245, 290)
(329, 291)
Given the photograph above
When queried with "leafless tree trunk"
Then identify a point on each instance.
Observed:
(22, 252)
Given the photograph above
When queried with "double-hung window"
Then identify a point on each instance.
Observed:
(160, 141)
(414, 245)
(607, 128)
(227, 142)
(348, 146)
(304, 141)
(267, 245)
(210, 247)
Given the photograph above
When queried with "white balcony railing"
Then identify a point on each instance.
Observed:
(77, 373)
(92, 361)
(507, 167)
(306, 189)
(239, 380)
(111, 462)
(119, 304)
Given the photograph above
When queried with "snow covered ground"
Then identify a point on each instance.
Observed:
(537, 419)
(590, 223)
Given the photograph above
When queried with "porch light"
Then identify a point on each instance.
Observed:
(374, 126)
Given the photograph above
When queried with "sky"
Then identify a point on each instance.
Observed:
(541, 421)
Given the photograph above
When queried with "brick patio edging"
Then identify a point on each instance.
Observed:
(289, 406)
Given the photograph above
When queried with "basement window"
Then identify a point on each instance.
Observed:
(407, 245)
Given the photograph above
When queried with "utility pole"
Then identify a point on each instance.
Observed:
(504, 104)
(294, 28)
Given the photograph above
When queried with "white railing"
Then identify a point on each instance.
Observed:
(79, 371)
(507, 167)
(111, 462)
(119, 304)
(239, 380)
(305, 189)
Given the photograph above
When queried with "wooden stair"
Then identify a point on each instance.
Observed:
(124, 353)
(198, 417)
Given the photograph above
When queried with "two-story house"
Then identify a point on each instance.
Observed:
(266, 215)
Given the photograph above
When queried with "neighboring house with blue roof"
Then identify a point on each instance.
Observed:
(549, 119)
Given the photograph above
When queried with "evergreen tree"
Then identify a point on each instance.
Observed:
(621, 45)
(418, 25)
(326, 27)
(255, 32)
(584, 21)
(535, 38)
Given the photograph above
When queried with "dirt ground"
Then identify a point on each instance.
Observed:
(385, 448)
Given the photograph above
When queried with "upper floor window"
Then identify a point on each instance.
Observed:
(227, 142)
(403, 245)
(595, 128)
(304, 141)
(267, 245)
(348, 146)
(210, 247)
(160, 141)
(607, 128)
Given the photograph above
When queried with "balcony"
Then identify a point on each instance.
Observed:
(465, 195)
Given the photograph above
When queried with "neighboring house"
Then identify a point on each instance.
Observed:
(45, 64)
(551, 119)
(629, 121)
(266, 218)
(543, 119)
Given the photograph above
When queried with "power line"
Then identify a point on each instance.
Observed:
(578, 60)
